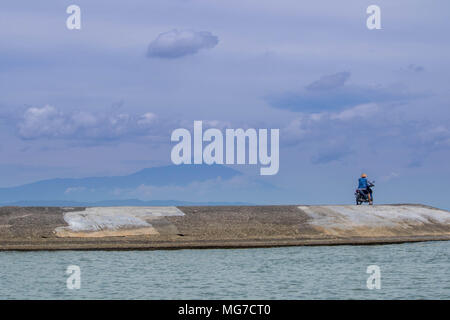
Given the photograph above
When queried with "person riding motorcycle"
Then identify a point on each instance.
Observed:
(364, 185)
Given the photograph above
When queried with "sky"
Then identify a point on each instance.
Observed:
(103, 100)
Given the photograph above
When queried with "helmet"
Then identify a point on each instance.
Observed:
(364, 175)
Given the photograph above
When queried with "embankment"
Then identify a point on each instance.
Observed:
(147, 228)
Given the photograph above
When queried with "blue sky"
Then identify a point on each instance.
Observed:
(103, 100)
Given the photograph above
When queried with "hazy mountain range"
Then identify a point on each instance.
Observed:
(99, 191)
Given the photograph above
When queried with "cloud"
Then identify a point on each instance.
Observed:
(74, 189)
(45, 121)
(389, 177)
(146, 118)
(436, 136)
(363, 111)
(309, 126)
(180, 43)
(428, 139)
(411, 69)
(415, 68)
(327, 134)
(240, 188)
(50, 122)
(372, 127)
(331, 93)
(329, 82)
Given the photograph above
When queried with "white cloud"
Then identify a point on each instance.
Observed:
(50, 122)
(216, 189)
(74, 189)
(146, 118)
(333, 135)
(363, 111)
(45, 121)
(179, 43)
(313, 124)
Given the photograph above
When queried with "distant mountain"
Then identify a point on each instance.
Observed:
(97, 189)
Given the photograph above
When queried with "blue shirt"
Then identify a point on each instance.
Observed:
(362, 183)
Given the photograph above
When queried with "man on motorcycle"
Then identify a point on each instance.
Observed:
(364, 185)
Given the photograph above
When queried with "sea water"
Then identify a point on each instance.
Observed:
(407, 271)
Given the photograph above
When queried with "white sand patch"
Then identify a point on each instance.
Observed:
(113, 219)
(345, 217)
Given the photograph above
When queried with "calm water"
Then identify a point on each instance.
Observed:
(416, 271)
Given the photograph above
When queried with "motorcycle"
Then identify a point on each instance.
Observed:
(362, 195)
